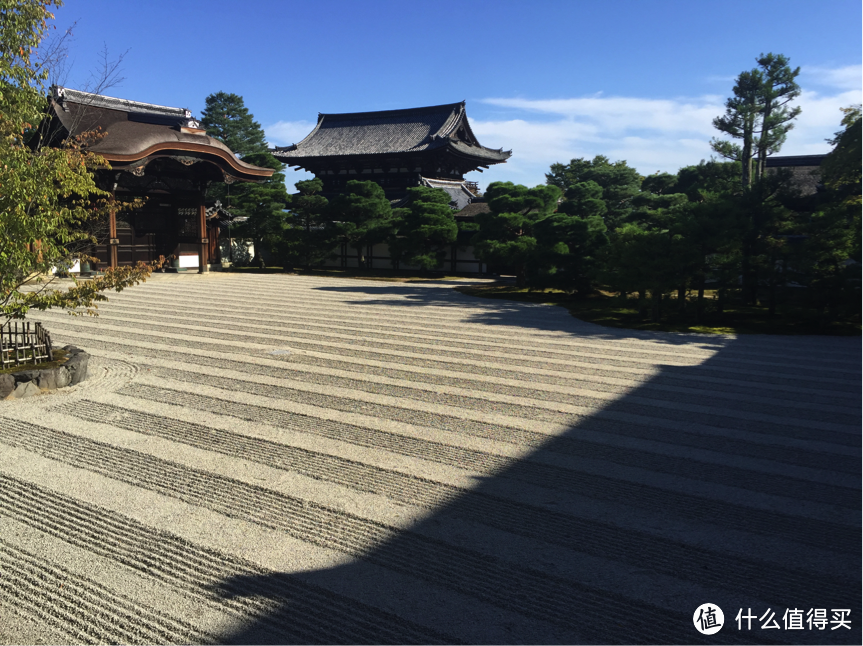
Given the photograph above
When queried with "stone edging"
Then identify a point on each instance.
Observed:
(27, 383)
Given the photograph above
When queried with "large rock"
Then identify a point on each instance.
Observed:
(7, 385)
(26, 389)
(77, 364)
(62, 377)
(26, 383)
(47, 379)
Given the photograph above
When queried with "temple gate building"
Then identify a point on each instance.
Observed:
(158, 153)
(398, 149)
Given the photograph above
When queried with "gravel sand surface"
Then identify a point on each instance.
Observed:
(291, 459)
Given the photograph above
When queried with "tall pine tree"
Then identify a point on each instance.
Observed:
(759, 115)
(227, 119)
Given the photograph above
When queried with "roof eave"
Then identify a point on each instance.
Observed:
(243, 171)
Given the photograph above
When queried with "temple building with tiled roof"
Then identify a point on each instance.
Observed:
(398, 149)
(156, 152)
(805, 170)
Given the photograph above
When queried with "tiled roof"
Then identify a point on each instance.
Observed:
(805, 170)
(133, 130)
(786, 161)
(63, 94)
(459, 193)
(473, 208)
(391, 131)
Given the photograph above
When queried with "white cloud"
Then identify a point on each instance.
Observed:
(650, 134)
(619, 114)
(845, 78)
(285, 133)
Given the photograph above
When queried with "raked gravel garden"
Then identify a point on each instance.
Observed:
(288, 459)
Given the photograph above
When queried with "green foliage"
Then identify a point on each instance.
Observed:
(660, 253)
(727, 228)
(758, 114)
(629, 256)
(740, 122)
(264, 203)
(506, 234)
(425, 229)
(831, 239)
(584, 199)
(841, 170)
(778, 88)
(309, 239)
(619, 183)
(47, 195)
(22, 75)
(568, 248)
(711, 176)
(645, 205)
(828, 230)
(660, 183)
(362, 215)
(227, 119)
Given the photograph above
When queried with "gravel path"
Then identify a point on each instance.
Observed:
(304, 460)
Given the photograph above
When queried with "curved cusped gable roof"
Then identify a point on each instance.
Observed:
(391, 131)
(132, 131)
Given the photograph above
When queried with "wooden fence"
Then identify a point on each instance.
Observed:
(22, 343)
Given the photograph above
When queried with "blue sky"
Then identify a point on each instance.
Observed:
(634, 80)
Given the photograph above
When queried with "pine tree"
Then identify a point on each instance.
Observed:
(758, 115)
(425, 228)
(227, 119)
(362, 215)
(506, 233)
(778, 88)
(740, 122)
(618, 181)
(310, 238)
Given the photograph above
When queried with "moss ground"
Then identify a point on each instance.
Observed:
(611, 310)
(59, 359)
(383, 275)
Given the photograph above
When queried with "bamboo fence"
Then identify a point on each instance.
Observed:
(24, 343)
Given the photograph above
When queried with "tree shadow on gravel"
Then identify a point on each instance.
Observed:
(498, 312)
(553, 318)
(615, 531)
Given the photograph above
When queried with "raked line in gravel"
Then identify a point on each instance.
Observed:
(284, 459)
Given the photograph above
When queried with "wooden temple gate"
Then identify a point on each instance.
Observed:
(163, 227)
(162, 155)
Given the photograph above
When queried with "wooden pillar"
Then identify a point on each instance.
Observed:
(113, 242)
(204, 241)
(215, 254)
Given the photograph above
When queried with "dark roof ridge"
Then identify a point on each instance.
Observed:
(780, 161)
(389, 113)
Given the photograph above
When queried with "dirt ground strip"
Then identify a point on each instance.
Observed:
(313, 460)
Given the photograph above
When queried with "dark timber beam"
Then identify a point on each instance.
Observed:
(203, 261)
